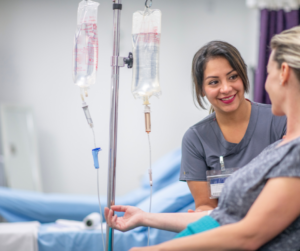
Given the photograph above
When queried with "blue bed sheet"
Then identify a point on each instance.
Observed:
(19, 206)
(169, 195)
(92, 241)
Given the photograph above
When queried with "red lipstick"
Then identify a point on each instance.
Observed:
(228, 101)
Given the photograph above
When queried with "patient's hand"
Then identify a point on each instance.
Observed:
(132, 218)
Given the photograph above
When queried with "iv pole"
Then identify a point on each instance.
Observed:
(111, 185)
(116, 63)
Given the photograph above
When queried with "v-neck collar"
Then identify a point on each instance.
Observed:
(233, 147)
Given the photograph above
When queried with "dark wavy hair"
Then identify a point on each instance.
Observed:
(212, 50)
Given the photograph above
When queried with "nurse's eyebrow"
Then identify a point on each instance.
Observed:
(211, 77)
(230, 72)
(217, 76)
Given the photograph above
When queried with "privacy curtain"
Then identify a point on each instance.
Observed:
(275, 16)
(271, 22)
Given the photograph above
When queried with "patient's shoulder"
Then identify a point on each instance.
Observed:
(289, 164)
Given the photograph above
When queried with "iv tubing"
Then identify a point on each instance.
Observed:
(87, 114)
(150, 179)
(100, 209)
(101, 220)
(94, 137)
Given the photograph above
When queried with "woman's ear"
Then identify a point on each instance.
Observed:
(284, 73)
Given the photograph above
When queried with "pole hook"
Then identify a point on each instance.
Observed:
(150, 4)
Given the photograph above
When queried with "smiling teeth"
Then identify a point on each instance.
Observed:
(228, 98)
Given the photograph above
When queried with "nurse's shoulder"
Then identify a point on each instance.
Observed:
(199, 133)
(193, 162)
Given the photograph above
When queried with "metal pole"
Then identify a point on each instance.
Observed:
(111, 184)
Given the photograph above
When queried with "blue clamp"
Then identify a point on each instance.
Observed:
(95, 156)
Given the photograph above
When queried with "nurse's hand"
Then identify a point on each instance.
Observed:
(132, 218)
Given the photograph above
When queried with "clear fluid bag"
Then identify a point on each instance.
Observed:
(146, 34)
(85, 54)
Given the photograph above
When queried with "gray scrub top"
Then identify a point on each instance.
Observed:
(204, 143)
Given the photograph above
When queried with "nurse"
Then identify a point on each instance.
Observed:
(237, 129)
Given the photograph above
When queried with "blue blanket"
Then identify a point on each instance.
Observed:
(18, 206)
(91, 240)
(169, 195)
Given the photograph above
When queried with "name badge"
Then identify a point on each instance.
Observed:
(216, 180)
(216, 186)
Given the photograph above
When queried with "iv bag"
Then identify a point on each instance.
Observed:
(85, 54)
(146, 32)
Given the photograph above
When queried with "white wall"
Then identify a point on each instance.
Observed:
(35, 69)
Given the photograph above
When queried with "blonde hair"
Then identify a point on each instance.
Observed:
(286, 46)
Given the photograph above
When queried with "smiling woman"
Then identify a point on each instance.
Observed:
(237, 129)
(219, 50)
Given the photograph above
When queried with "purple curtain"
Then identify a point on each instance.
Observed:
(271, 23)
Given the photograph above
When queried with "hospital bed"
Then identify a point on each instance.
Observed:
(169, 195)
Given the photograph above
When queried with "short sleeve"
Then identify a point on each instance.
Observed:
(289, 165)
(193, 165)
(279, 126)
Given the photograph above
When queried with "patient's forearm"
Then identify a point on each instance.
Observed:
(174, 222)
(231, 237)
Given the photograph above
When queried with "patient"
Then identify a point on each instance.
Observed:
(259, 208)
